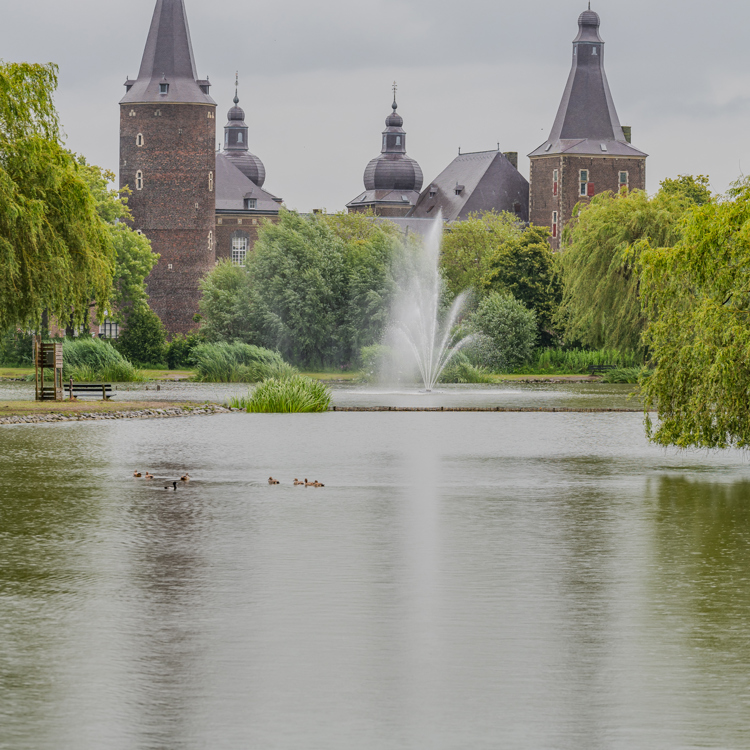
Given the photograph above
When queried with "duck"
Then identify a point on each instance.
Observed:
(308, 484)
(185, 477)
(174, 486)
(316, 483)
(297, 483)
(271, 480)
(137, 474)
(149, 476)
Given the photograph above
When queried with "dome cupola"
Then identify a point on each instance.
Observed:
(236, 146)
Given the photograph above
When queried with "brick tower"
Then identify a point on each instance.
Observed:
(588, 151)
(168, 160)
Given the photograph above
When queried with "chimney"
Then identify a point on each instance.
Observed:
(512, 157)
(627, 131)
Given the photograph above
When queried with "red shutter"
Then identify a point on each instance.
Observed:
(590, 189)
(554, 189)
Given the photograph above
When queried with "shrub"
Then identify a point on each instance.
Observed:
(461, 370)
(144, 338)
(374, 361)
(16, 349)
(625, 375)
(180, 350)
(293, 395)
(238, 363)
(509, 328)
(95, 359)
(579, 361)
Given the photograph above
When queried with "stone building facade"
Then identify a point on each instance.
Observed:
(588, 151)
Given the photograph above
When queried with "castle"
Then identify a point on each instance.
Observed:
(198, 205)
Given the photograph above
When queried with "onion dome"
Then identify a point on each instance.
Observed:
(588, 25)
(393, 169)
(236, 147)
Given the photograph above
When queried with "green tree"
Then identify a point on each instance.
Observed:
(695, 188)
(470, 247)
(134, 259)
(508, 329)
(55, 251)
(226, 302)
(144, 339)
(697, 297)
(601, 304)
(524, 266)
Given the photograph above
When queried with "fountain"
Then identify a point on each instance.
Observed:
(422, 334)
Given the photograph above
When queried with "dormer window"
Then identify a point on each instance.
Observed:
(163, 88)
(459, 189)
(433, 191)
(251, 203)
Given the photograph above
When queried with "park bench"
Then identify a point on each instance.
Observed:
(76, 390)
(600, 369)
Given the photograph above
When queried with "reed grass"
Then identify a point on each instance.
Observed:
(625, 375)
(578, 361)
(92, 360)
(238, 363)
(291, 395)
(461, 370)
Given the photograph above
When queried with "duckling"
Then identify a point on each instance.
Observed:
(137, 474)
(271, 480)
(185, 477)
(149, 476)
(297, 483)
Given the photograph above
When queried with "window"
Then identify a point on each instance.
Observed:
(624, 180)
(157, 113)
(139, 139)
(109, 330)
(163, 88)
(226, 138)
(398, 140)
(239, 137)
(433, 191)
(139, 180)
(132, 113)
(584, 179)
(169, 266)
(239, 249)
(555, 181)
(210, 240)
(554, 223)
(594, 51)
(385, 141)
(251, 203)
(210, 182)
(211, 115)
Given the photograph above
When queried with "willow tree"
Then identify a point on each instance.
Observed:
(56, 253)
(697, 297)
(601, 304)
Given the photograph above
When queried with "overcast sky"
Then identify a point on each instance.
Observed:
(315, 78)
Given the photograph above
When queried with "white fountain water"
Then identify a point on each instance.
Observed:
(422, 333)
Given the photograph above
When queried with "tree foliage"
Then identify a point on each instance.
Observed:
(55, 251)
(697, 297)
(601, 304)
(317, 289)
(470, 246)
(144, 339)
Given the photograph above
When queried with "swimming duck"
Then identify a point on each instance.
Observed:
(308, 484)
(174, 486)
(185, 478)
(149, 476)
(316, 483)
(297, 483)
(271, 480)
(137, 474)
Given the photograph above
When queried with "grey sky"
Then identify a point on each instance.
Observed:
(315, 78)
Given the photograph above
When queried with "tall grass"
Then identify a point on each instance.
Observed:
(96, 360)
(293, 395)
(578, 361)
(238, 363)
(461, 370)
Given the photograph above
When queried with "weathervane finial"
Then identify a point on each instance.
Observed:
(395, 89)
(236, 87)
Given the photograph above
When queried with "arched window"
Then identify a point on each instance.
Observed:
(594, 51)
(210, 182)
(226, 138)
(239, 137)
(398, 140)
(240, 244)
(139, 180)
(210, 240)
(139, 139)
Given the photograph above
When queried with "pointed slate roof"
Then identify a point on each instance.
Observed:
(168, 58)
(587, 121)
(472, 183)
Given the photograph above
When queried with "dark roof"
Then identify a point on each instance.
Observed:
(168, 58)
(587, 118)
(233, 187)
(383, 197)
(482, 181)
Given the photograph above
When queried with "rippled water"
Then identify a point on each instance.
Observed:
(523, 581)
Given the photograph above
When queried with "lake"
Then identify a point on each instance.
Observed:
(522, 581)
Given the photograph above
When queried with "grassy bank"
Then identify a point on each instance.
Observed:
(27, 408)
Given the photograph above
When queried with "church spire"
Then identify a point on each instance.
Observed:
(168, 71)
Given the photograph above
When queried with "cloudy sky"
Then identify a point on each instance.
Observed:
(315, 78)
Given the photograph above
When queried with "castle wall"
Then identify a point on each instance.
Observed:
(229, 224)
(168, 160)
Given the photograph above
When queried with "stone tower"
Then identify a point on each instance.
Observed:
(168, 160)
(393, 179)
(588, 151)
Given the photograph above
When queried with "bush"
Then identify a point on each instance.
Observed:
(374, 360)
(96, 360)
(509, 329)
(461, 370)
(144, 338)
(17, 349)
(293, 395)
(624, 375)
(179, 351)
(238, 363)
(579, 361)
